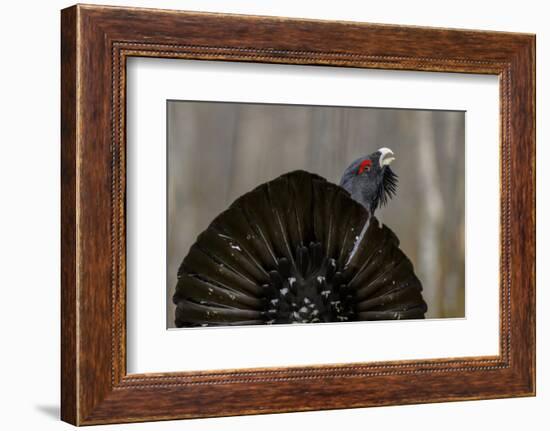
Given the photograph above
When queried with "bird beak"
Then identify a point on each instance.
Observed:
(386, 157)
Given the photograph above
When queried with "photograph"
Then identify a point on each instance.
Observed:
(307, 214)
(294, 214)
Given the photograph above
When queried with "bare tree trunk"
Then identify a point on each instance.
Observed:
(431, 222)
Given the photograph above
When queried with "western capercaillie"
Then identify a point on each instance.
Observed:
(299, 249)
(370, 180)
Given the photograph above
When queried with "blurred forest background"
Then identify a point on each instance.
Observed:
(219, 151)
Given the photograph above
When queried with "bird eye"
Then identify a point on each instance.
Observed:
(364, 166)
(363, 169)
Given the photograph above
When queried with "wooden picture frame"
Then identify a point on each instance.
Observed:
(95, 43)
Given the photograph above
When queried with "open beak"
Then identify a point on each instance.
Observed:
(386, 157)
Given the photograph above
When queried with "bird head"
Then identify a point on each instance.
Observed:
(370, 180)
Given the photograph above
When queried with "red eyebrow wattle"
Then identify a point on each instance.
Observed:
(363, 165)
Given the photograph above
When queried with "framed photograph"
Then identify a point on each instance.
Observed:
(266, 215)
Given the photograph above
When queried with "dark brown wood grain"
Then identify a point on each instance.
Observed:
(96, 41)
(68, 217)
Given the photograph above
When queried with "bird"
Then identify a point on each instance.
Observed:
(370, 180)
(300, 249)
